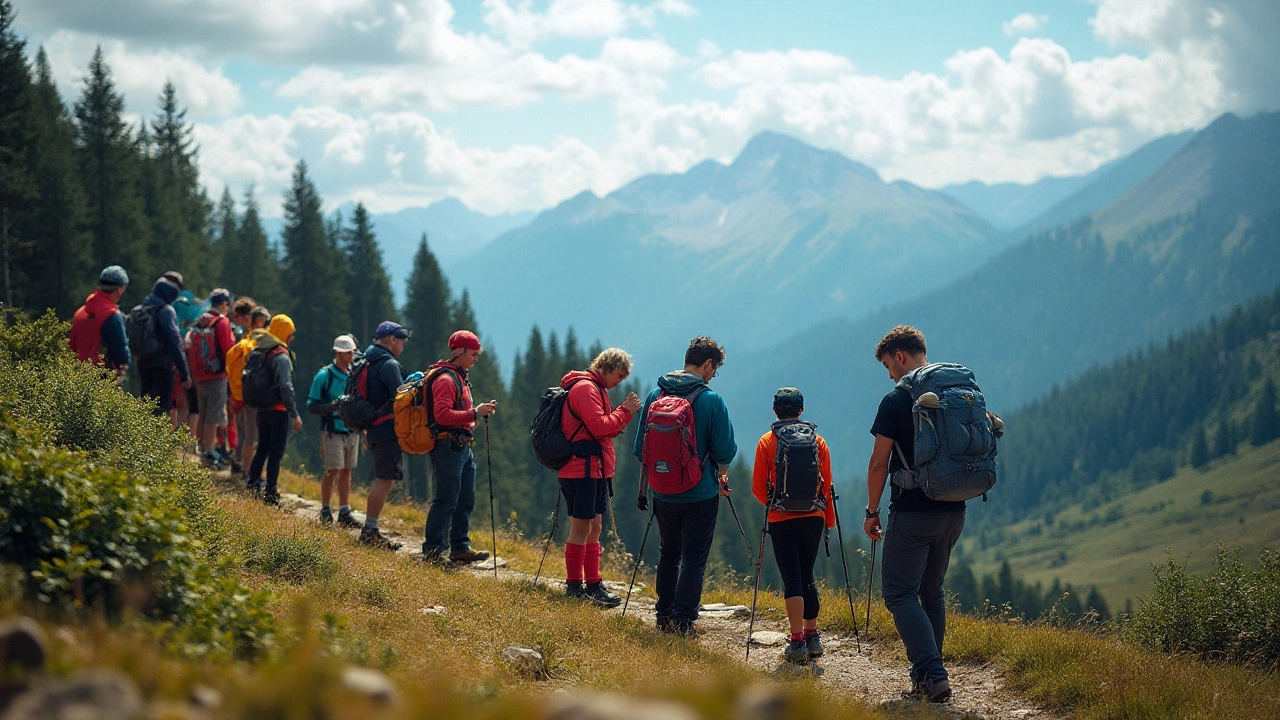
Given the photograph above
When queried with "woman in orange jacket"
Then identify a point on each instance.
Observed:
(792, 479)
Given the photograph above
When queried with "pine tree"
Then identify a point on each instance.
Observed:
(16, 184)
(368, 287)
(110, 169)
(60, 274)
(176, 204)
(1224, 440)
(1098, 604)
(228, 228)
(1199, 447)
(250, 265)
(427, 309)
(1266, 419)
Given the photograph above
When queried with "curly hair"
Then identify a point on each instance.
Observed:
(611, 359)
(243, 306)
(902, 337)
(702, 349)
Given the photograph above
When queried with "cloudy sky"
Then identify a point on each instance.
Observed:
(516, 104)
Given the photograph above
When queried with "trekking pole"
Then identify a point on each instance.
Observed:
(848, 590)
(493, 525)
(639, 559)
(555, 518)
(739, 522)
(751, 625)
(870, 582)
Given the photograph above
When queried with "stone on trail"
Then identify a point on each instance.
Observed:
(602, 706)
(768, 638)
(524, 661)
(720, 610)
(487, 563)
(101, 695)
(435, 610)
(370, 684)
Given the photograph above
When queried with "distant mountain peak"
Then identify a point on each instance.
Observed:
(774, 149)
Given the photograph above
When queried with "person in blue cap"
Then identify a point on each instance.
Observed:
(384, 376)
(97, 329)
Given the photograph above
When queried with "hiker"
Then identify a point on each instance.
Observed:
(794, 485)
(453, 466)
(921, 531)
(591, 423)
(246, 417)
(339, 447)
(242, 316)
(275, 418)
(687, 520)
(97, 329)
(208, 342)
(152, 328)
(383, 376)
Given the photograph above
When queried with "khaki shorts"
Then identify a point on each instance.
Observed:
(340, 452)
(213, 401)
(246, 424)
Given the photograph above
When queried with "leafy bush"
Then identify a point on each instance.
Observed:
(99, 508)
(1232, 614)
(293, 558)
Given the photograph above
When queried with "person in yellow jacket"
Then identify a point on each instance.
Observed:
(246, 418)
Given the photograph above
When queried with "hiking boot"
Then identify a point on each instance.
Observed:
(252, 487)
(666, 624)
(796, 651)
(433, 557)
(814, 643)
(210, 459)
(236, 469)
(272, 499)
(934, 690)
(574, 588)
(466, 557)
(685, 628)
(326, 516)
(347, 521)
(596, 593)
(373, 538)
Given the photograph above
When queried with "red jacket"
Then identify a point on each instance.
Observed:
(444, 399)
(223, 337)
(599, 421)
(86, 326)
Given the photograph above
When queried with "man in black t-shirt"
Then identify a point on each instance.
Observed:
(920, 533)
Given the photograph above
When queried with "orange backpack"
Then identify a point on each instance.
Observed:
(416, 427)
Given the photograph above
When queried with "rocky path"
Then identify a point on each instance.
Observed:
(878, 674)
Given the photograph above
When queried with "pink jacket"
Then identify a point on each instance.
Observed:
(589, 401)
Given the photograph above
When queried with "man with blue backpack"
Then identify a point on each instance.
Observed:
(685, 443)
(933, 435)
(152, 329)
(339, 446)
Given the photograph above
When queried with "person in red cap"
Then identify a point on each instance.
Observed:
(453, 465)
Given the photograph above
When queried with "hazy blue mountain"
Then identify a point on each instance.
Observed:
(454, 231)
(1024, 209)
(1196, 237)
(782, 237)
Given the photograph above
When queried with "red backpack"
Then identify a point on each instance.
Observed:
(202, 347)
(669, 451)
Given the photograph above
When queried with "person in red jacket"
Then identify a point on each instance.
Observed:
(796, 533)
(208, 343)
(591, 423)
(97, 329)
(453, 466)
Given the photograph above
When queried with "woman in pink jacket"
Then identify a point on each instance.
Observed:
(591, 423)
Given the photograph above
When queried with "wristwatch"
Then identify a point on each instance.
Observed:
(872, 513)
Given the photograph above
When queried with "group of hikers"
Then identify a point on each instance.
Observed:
(932, 438)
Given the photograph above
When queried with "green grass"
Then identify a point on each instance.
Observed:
(1233, 501)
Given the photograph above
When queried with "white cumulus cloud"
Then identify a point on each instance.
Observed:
(1024, 24)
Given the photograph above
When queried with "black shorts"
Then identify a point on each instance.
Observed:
(158, 383)
(193, 400)
(587, 497)
(387, 456)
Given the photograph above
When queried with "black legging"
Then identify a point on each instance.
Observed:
(795, 547)
(273, 435)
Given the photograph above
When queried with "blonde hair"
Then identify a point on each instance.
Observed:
(611, 359)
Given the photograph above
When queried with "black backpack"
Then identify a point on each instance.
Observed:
(258, 379)
(140, 328)
(547, 437)
(354, 407)
(798, 478)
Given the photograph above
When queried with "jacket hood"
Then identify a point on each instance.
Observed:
(98, 301)
(446, 364)
(165, 291)
(679, 382)
(265, 340)
(281, 328)
(580, 375)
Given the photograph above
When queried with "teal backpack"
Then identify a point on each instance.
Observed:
(955, 455)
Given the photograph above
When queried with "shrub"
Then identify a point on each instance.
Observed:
(293, 558)
(1232, 614)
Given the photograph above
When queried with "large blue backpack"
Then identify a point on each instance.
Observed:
(955, 455)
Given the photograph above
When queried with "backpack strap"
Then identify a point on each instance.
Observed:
(428, 382)
(327, 420)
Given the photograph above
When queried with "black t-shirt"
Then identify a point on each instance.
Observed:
(894, 421)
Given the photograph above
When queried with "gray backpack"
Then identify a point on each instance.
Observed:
(955, 456)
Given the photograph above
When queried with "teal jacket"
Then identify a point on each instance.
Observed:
(327, 386)
(716, 446)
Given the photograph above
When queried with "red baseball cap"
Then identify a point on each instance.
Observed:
(464, 339)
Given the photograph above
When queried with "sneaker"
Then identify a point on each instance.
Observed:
(326, 516)
(814, 644)
(346, 520)
(272, 499)
(935, 690)
(466, 557)
(210, 459)
(796, 651)
(596, 593)
(574, 588)
(374, 538)
(430, 557)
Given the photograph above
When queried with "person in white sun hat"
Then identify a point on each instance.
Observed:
(339, 446)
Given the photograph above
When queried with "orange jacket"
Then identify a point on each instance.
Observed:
(599, 421)
(762, 478)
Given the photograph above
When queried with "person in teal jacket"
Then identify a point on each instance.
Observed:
(339, 447)
(687, 521)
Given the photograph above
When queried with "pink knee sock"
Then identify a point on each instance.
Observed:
(573, 556)
(591, 563)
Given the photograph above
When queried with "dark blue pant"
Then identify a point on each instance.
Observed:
(454, 471)
(686, 530)
(917, 549)
(273, 437)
